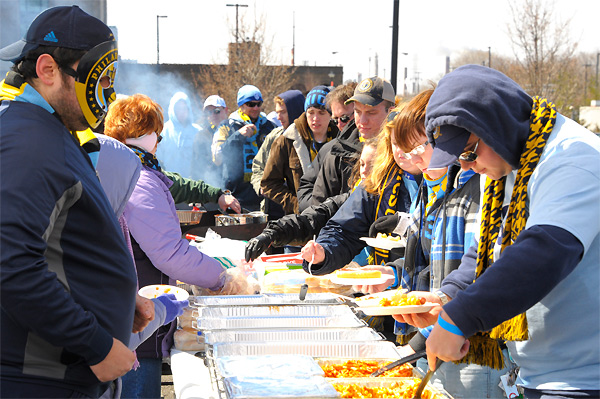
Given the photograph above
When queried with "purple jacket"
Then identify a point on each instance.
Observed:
(153, 223)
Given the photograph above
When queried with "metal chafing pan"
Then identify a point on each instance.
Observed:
(343, 349)
(267, 300)
(285, 322)
(242, 218)
(275, 310)
(320, 334)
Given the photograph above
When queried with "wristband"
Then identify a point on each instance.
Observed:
(451, 328)
(395, 285)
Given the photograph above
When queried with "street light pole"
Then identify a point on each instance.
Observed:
(158, 38)
(489, 57)
(236, 18)
(394, 73)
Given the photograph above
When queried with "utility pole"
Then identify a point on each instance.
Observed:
(489, 57)
(586, 83)
(394, 72)
(237, 6)
(158, 38)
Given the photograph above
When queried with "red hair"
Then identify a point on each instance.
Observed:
(132, 117)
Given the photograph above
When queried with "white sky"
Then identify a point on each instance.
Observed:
(197, 31)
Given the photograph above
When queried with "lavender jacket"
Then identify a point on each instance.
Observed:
(153, 224)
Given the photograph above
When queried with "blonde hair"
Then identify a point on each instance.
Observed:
(406, 122)
(132, 117)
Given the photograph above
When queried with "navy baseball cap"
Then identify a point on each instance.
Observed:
(448, 143)
(64, 26)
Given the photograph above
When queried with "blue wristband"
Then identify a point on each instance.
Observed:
(395, 285)
(451, 328)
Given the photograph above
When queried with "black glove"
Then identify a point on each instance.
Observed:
(385, 224)
(258, 245)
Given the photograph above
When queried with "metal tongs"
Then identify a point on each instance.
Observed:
(399, 362)
(304, 287)
(426, 379)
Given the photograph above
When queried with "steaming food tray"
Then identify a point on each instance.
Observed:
(275, 310)
(264, 335)
(267, 300)
(386, 382)
(258, 322)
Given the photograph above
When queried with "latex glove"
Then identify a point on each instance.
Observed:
(173, 307)
(235, 282)
(258, 245)
(385, 224)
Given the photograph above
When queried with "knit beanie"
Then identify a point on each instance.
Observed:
(248, 93)
(294, 103)
(316, 97)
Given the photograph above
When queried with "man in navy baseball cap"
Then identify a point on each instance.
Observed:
(67, 278)
(73, 29)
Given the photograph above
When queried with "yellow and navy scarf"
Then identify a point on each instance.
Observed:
(389, 195)
(484, 348)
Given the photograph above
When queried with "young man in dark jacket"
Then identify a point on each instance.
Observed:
(332, 167)
(68, 283)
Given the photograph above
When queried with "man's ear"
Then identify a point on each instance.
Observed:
(47, 69)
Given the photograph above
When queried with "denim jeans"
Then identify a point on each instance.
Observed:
(466, 381)
(143, 382)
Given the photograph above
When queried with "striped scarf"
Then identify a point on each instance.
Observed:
(485, 347)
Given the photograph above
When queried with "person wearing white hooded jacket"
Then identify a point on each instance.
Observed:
(175, 152)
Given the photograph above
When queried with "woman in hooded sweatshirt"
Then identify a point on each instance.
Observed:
(292, 153)
(161, 255)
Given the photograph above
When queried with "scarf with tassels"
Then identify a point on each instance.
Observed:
(484, 347)
(147, 159)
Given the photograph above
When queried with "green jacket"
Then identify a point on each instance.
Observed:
(190, 191)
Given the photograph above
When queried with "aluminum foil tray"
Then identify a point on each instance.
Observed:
(386, 382)
(275, 310)
(347, 349)
(320, 334)
(255, 388)
(287, 322)
(266, 299)
(273, 366)
(328, 361)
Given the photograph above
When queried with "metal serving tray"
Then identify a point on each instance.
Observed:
(386, 382)
(345, 349)
(311, 387)
(286, 322)
(275, 310)
(267, 300)
(321, 334)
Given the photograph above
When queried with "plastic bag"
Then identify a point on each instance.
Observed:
(236, 283)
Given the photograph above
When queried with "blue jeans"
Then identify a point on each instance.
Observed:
(143, 382)
(464, 381)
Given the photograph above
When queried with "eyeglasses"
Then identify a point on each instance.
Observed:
(418, 150)
(253, 104)
(343, 119)
(469, 156)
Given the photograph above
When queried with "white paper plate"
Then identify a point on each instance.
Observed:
(361, 281)
(374, 299)
(390, 310)
(152, 291)
(383, 243)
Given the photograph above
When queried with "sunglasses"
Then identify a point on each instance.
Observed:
(253, 104)
(418, 150)
(343, 119)
(469, 156)
(159, 138)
